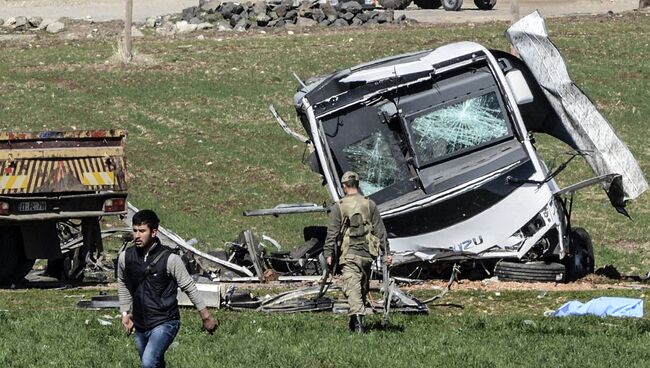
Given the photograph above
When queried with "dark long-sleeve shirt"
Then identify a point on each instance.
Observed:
(334, 229)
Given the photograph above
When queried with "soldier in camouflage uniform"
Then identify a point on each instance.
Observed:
(356, 223)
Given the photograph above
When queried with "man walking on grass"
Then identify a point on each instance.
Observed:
(148, 276)
(356, 223)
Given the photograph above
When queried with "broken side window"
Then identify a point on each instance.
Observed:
(458, 127)
(372, 157)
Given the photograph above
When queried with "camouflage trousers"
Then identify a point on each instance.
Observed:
(355, 273)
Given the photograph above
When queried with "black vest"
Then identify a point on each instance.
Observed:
(152, 289)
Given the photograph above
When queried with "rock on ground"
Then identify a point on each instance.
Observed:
(9, 22)
(55, 27)
(166, 29)
(35, 21)
(204, 25)
(184, 27)
(211, 6)
(305, 22)
(223, 25)
(20, 24)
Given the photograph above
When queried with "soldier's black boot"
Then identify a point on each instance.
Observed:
(358, 325)
(352, 324)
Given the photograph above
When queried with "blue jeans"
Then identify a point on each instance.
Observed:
(152, 344)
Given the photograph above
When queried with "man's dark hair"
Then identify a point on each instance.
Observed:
(146, 217)
(352, 183)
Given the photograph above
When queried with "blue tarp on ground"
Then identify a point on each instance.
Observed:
(603, 307)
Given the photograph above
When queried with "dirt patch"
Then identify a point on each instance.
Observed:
(628, 246)
(591, 282)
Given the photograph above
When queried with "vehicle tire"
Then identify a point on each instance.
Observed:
(428, 4)
(23, 267)
(532, 271)
(395, 4)
(14, 266)
(452, 5)
(580, 262)
(74, 264)
(485, 4)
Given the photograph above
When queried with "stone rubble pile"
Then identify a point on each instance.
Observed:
(24, 24)
(226, 16)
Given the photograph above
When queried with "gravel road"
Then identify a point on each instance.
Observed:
(101, 10)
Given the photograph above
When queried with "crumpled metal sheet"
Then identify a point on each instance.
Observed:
(100, 302)
(587, 126)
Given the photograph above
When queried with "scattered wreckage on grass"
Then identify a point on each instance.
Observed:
(247, 260)
(443, 140)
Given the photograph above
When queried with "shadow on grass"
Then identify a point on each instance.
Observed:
(379, 326)
(453, 305)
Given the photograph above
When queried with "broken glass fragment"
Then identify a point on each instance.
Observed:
(373, 160)
(458, 127)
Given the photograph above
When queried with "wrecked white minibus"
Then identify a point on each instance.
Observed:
(443, 141)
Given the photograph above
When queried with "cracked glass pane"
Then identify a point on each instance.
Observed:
(373, 160)
(458, 127)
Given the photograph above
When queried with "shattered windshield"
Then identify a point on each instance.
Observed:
(458, 127)
(373, 159)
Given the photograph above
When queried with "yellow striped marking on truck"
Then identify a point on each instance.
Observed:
(44, 175)
(13, 182)
(98, 178)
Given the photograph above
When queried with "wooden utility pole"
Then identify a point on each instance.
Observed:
(128, 21)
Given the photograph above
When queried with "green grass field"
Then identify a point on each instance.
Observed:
(202, 148)
(41, 328)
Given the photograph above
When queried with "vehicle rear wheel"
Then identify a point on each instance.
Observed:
(74, 264)
(452, 5)
(580, 262)
(485, 4)
(428, 4)
(395, 4)
(532, 271)
(14, 266)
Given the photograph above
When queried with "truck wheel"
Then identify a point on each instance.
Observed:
(428, 4)
(452, 5)
(580, 263)
(74, 264)
(532, 271)
(395, 4)
(14, 266)
(485, 4)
